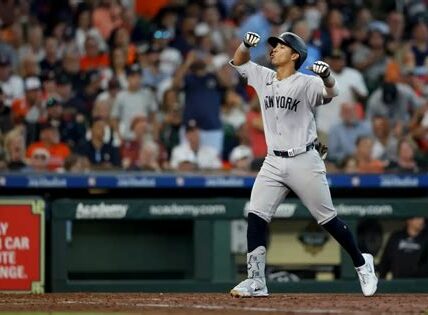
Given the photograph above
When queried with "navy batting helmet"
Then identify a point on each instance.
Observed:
(293, 41)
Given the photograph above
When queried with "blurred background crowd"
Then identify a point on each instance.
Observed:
(146, 85)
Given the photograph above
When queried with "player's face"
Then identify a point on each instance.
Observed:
(282, 54)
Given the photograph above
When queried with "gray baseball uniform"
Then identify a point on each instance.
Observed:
(287, 108)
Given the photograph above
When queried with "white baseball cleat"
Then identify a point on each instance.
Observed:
(250, 288)
(367, 276)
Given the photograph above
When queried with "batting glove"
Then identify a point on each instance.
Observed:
(251, 39)
(320, 68)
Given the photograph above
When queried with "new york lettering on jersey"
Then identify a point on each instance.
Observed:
(284, 102)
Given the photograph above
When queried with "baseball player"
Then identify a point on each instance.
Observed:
(288, 100)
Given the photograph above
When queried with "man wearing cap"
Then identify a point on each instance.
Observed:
(66, 94)
(71, 130)
(396, 101)
(294, 161)
(12, 85)
(135, 101)
(29, 109)
(240, 159)
(204, 157)
(406, 252)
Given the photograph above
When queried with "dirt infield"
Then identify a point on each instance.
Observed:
(198, 303)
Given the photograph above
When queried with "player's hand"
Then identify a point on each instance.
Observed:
(251, 39)
(320, 68)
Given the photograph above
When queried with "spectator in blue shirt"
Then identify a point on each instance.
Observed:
(343, 136)
(102, 155)
(203, 96)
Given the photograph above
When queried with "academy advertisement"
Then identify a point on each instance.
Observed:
(223, 208)
(21, 246)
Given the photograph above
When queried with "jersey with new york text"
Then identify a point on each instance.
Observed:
(287, 106)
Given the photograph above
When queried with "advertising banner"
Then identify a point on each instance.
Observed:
(22, 245)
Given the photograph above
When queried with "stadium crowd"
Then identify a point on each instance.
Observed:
(146, 85)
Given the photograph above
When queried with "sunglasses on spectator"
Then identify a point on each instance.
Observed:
(162, 34)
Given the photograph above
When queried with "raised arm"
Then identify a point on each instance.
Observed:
(180, 73)
(242, 53)
(322, 69)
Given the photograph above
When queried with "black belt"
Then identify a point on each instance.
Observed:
(290, 153)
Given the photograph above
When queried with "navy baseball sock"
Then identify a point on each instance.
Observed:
(340, 231)
(256, 232)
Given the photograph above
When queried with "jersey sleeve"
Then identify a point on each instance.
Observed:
(314, 91)
(255, 74)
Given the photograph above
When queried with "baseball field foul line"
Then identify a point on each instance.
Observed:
(217, 307)
(238, 308)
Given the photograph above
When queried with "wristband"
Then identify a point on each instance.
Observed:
(244, 48)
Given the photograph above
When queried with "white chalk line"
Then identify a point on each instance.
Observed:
(213, 307)
(242, 308)
(194, 306)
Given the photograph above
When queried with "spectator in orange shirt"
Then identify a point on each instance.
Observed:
(363, 155)
(50, 140)
(94, 59)
(38, 161)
